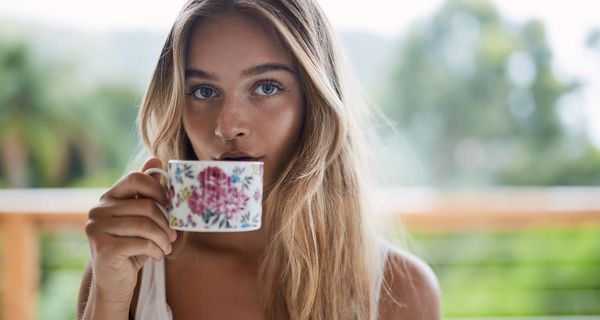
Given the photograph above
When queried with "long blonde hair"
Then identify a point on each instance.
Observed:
(323, 260)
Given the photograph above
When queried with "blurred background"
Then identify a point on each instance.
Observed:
(483, 95)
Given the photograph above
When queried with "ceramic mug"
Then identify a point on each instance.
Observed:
(213, 196)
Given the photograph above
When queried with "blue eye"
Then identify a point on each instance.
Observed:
(203, 92)
(267, 89)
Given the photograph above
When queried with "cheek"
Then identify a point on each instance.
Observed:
(295, 120)
(291, 125)
(285, 128)
(197, 126)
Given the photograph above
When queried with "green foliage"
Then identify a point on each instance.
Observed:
(478, 101)
(63, 259)
(517, 273)
(55, 130)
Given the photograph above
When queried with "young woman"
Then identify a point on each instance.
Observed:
(260, 80)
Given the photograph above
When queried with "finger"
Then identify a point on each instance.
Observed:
(139, 246)
(139, 227)
(140, 185)
(153, 162)
(137, 207)
(108, 247)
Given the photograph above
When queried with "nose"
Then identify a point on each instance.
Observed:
(232, 122)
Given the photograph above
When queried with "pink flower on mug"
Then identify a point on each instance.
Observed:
(217, 196)
(171, 195)
(257, 195)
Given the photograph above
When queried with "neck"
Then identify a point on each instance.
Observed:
(242, 246)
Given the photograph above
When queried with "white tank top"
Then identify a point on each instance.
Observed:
(152, 298)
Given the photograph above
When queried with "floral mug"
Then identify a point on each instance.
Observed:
(213, 196)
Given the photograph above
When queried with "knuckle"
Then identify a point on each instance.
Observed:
(134, 178)
(95, 213)
(106, 195)
(90, 228)
(164, 239)
(159, 251)
(166, 243)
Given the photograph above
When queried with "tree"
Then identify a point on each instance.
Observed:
(55, 131)
(476, 98)
(27, 148)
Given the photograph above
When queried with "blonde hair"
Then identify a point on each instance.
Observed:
(323, 260)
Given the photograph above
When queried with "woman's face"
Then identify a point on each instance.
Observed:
(243, 97)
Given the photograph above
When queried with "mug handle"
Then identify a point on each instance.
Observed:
(166, 176)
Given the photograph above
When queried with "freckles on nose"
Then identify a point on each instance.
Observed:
(231, 122)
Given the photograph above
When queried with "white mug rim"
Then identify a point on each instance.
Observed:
(216, 230)
(219, 162)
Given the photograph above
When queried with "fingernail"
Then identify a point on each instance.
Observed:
(169, 249)
(173, 235)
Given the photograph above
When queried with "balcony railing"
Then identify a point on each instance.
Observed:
(27, 213)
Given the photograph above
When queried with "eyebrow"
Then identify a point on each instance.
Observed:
(252, 71)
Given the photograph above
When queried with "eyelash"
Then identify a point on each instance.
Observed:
(258, 84)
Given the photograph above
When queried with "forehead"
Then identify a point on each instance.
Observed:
(234, 40)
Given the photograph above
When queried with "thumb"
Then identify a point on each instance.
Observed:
(153, 162)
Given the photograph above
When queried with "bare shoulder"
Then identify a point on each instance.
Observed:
(410, 289)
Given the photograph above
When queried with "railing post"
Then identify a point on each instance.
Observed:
(21, 267)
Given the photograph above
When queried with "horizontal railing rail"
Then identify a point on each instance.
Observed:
(26, 213)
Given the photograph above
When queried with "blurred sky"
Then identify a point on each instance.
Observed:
(567, 22)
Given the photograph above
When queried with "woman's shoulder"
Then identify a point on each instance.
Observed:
(410, 288)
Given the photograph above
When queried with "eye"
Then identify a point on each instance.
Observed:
(267, 88)
(202, 92)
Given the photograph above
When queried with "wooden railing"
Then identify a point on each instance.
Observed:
(24, 215)
(27, 213)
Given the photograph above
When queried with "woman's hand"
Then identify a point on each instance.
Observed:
(124, 229)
